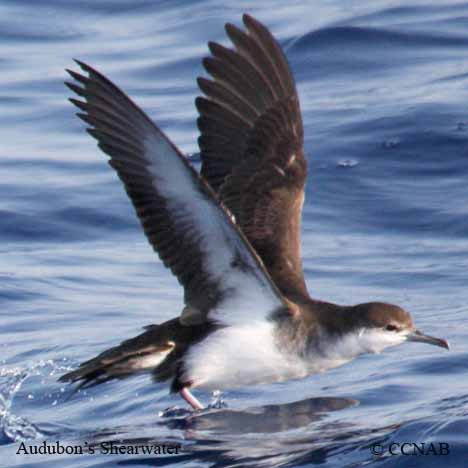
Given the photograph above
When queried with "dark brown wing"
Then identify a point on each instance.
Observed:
(252, 146)
(192, 232)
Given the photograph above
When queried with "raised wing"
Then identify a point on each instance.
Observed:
(252, 147)
(192, 233)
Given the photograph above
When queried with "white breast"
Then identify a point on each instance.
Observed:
(241, 355)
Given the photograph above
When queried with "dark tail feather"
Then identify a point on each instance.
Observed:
(143, 353)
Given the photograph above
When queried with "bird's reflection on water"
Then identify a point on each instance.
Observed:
(264, 419)
(263, 436)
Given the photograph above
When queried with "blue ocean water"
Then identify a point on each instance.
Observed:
(384, 92)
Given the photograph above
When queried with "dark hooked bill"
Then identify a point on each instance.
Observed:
(422, 338)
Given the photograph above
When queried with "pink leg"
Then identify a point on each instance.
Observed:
(190, 399)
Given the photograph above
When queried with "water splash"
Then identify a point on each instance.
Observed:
(15, 427)
(217, 401)
(347, 163)
(177, 412)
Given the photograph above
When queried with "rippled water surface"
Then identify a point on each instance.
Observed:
(384, 93)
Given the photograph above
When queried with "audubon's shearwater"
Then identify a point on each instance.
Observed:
(231, 234)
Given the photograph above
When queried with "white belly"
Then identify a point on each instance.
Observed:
(241, 355)
(248, 355)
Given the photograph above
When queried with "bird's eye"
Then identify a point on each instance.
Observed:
(391, 328)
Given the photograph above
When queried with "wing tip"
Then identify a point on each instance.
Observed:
(246, 18)
(84, 66)
(253, 24)
(78, 90)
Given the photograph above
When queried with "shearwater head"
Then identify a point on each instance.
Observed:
(369, 328)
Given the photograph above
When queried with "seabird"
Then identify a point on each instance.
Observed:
(230, 234)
